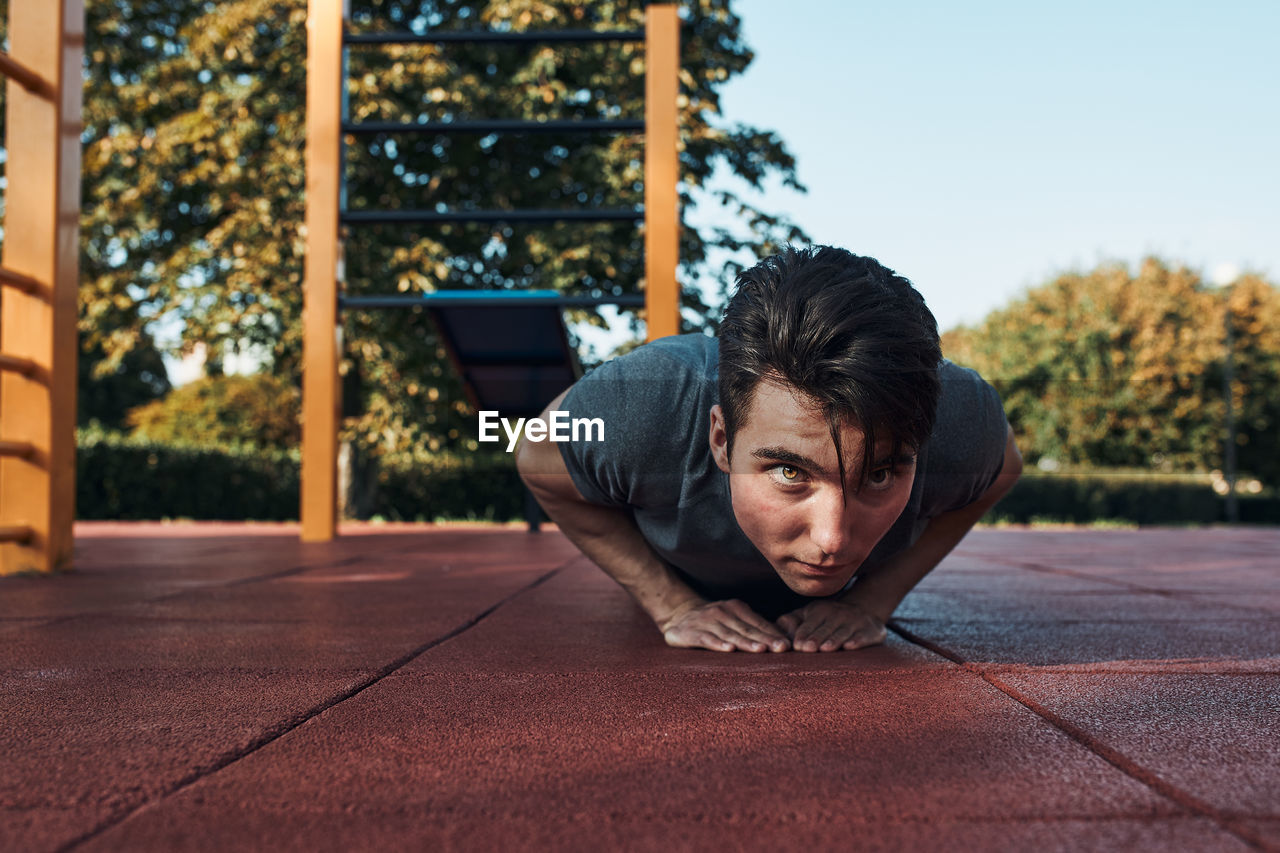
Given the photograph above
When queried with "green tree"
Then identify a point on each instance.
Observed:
(1116, 368)
(194, 179)
(1255, 357)
(105, 397)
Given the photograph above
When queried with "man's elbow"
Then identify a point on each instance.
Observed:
(542, 469)
(527, 462)
(1010, 470)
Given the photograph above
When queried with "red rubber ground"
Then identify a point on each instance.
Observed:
(219, 687)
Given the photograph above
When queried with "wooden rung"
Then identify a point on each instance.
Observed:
(24, 366)
(25, 283)
(16, 448)
(25, 77)
(15, 534)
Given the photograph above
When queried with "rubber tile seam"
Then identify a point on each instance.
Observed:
(1273, 617)
(196, 590)
(103, 611)
(279, 730)
(1015, 669)
(296, 570)
(1114, 757)
(1130, 586)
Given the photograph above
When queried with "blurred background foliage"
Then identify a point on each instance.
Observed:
(192, 238)
(1114, 367)
(260, 411)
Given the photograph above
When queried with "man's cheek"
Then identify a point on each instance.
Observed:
(756, 510)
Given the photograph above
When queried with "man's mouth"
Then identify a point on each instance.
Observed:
(824, 570)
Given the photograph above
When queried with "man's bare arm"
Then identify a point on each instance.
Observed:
(610, 538)
(857, 618)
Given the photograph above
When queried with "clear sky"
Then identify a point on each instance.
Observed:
(980, 148)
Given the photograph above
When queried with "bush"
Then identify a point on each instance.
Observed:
(435, 486)
(258, 410)
(126, 478)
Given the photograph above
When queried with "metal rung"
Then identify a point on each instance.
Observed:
(16, 448)
(357, 217)
(25, 77)
(498, 126)
(16, 534)
(488, 299)
(483, 37)
(25, 283)
(25, 366)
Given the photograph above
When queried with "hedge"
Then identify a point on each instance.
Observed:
(126, 478)
(129, 479)
(1138, 498)
(123, 478)
(475, 486)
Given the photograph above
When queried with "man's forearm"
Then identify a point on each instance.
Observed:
(879, 592)
(610, 538)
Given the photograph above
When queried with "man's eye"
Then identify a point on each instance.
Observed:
(786, 474)
(880, 477)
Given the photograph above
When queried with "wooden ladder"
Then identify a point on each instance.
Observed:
(38, 285)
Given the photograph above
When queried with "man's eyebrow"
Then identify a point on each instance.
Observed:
(789, 457)
(895, 460)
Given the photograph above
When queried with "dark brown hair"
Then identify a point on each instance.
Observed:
(845, 331)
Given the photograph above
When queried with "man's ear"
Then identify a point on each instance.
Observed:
(719, 439)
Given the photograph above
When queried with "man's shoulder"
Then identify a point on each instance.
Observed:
(695, 354)
(654, 403)
(652, 379)
(965, 394)
(966, 448)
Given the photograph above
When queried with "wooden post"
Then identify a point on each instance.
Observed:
(40, 279)
(661, 169)
(320, 389)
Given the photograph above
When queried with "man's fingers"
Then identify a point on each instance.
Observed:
(788, 622)
(866, 637)
(772, 640)
(840, 634)
(811, 633)
(725, 626)
(744, 612)
(740, 635)
(697, 639)
(739, 616)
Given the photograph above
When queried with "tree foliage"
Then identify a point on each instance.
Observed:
(105, 397)
(223, 410)
(194, 183)
(1116, 368)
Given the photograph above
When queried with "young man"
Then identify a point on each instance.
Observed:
(810, 468)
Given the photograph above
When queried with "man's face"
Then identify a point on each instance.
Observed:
(787, 495)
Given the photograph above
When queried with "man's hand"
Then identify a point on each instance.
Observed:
(828, 626)
(723, 626)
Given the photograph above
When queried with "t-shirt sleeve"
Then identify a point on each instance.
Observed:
(641, 454)
(966, 450)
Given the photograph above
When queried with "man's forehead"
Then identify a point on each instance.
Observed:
(781, 416)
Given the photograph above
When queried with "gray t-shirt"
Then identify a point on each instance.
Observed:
(655, 461)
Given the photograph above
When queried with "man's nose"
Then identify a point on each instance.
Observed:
(830, 526)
